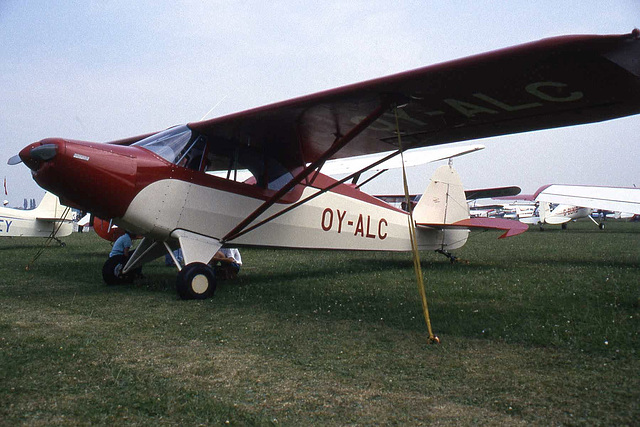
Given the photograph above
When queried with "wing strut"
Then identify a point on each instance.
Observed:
(377, 174)
(50, 238)
(314, 195)
(339, 143)
(414, 243)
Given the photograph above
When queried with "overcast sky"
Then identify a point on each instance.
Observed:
(104, 70)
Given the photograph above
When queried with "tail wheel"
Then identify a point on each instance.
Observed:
(196, 281)
(112, 270)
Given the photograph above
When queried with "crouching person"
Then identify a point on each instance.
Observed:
(118, 258)
(227, 263)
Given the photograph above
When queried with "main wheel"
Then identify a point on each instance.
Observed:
(112, 270)
(196, 281)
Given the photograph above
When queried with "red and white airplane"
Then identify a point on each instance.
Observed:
(157, 185)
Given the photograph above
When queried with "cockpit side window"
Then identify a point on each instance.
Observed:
(246, 164)
(191, 155)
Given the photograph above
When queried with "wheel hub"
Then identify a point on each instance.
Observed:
(200, 284)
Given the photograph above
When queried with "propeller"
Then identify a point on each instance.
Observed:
(14, 160)
(40, 153)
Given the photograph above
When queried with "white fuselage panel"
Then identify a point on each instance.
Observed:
(329, 221)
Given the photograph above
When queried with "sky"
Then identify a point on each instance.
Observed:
(104, 70)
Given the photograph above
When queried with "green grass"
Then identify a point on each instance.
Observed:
(537, 329)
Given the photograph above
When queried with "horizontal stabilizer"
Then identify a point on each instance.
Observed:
(66, 219)
(512, 228)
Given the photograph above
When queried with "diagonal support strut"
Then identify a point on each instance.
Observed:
(337, 146)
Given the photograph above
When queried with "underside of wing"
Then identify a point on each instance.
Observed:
(615, 199)
(550, 83)
(411, 158)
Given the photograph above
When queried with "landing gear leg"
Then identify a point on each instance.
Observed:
(452, 258)
(599, 224)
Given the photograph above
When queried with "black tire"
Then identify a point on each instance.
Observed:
(601, 226)
(112, 270)
(196, 281)
(564, 226)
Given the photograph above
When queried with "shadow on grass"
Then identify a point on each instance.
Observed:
(466, 300)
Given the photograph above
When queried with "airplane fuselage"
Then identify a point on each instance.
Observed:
(562, 214)
(148, 195)
(329, 221)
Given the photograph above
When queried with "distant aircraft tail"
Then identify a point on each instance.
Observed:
(544, 211)
(50, 208)
(443, 213)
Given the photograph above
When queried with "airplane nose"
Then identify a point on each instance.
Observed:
(35, 155)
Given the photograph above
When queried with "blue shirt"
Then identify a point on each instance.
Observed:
(120, 245)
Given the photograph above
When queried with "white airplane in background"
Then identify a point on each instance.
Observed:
(49, 219)
(559, 204)
(557, 214)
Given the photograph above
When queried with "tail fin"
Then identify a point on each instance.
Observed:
(444, 201)
(443, 209)
(50, 208)
(543, 211)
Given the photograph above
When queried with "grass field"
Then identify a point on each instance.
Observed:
(538, 329)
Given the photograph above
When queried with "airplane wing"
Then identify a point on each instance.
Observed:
(554, 82)
(411, 158)
(490, 193)
(615, 199)
(85, 221)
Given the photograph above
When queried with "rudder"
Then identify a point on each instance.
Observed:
(444, 201)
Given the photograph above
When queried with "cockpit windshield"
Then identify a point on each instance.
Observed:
(186, 148)
(171, 144)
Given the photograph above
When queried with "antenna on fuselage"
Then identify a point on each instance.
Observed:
(214, 107)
